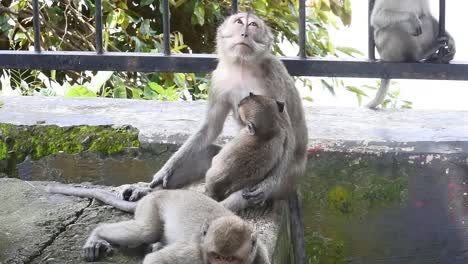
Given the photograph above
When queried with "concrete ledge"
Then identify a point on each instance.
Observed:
(64, 222)
(340, 129)
(38, 227)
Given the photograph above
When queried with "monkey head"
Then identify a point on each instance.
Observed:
(243, 37)
(228, 240)
(260, 114)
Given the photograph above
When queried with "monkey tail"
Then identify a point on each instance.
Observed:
(381, 93)
(101, 195)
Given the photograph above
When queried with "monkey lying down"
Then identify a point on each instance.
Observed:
(182, 226)
(174, 217)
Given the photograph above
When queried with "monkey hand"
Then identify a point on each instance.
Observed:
(255, 196)
(161, 178)
(92, 249)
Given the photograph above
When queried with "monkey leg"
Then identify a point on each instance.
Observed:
(217, 183)
(441, 52)
(133, 193)
(235, 202)
(128, 233)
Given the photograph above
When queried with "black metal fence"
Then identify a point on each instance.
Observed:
(167, 62)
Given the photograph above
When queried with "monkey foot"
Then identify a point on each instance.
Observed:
(93, 249)
(133, 193)
(255, 197)
(443, 51)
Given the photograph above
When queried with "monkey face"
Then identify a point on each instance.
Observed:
(243, 36)
(229, 240)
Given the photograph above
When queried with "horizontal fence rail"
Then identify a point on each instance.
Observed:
(167, 62)
(199, 63)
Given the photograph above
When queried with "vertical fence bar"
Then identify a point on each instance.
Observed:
(297, 230)
(98, 19)
(441, 18)
(166, 28)
(302, 32)
(371, 40)
(37, 26)
(234, 7)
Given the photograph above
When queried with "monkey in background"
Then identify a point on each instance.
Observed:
(245, 65)
(184, 227)
(258, 147)
(406, 31)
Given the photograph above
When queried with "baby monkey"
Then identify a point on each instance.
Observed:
(258, 147)
(184, 227)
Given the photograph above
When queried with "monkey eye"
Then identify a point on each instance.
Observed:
(239, 21)
(253, 24)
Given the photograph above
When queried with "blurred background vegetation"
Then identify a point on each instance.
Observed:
(136, 26)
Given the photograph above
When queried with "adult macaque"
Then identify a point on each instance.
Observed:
(406, 31)
(245, 65)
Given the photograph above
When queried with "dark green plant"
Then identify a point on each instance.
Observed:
(136, 26)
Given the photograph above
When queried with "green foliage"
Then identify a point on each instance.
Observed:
(134, 26)
(80, 91)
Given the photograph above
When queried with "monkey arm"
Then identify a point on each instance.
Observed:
(190, 150)
(280, 180)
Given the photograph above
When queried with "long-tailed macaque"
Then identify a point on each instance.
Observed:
(406, 31)
(187, 227)
(254, 152)
(245, 65)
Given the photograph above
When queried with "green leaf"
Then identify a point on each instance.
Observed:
(328, 86)
(179, 79)
(156, 87)
(199, 12)
(80, 91)
(349, 51)
(356, 90)
(4, 26)
(147, 2)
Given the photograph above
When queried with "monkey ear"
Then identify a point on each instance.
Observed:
(251, 94)
(280, 106)
(251, 128)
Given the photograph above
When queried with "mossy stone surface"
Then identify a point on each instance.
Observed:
(38, 141)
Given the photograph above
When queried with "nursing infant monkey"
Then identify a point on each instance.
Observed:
(406, 31)
(174, 217)
(249, 158)
(245, 65)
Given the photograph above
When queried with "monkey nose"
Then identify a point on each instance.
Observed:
(245, 35)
